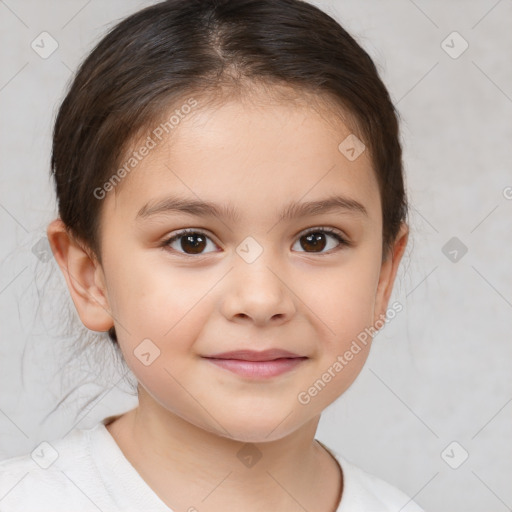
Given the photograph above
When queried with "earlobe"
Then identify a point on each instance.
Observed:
(84, 277)
(388, 273)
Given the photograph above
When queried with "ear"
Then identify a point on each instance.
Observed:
(388, 272)
(84, 277)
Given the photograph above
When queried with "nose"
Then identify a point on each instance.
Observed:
(258, 293)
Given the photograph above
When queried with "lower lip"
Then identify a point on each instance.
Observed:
(258, 369)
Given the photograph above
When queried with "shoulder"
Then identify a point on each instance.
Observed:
(369, 488)
(55, 475)
(365, 492)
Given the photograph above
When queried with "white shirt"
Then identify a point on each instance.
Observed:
(86, 471)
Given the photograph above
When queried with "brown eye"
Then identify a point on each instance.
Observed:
(315, 241)
(189, 242)
(196, 243)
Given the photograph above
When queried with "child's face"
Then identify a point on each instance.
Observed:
(217, 294)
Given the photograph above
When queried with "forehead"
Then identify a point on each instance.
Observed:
(249, 154)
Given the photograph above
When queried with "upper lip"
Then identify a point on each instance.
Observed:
(253, 355)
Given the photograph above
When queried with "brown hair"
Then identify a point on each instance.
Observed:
(176, 48)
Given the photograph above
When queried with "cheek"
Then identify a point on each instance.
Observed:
(165, 312)
(161, 311)
(343, 302)
(349, 307)
(345, 313)
(344, 299)
(155, 301)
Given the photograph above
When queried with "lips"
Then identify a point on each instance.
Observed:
(253, 355)
(254, 365)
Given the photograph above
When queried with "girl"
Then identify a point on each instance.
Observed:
(232, 212)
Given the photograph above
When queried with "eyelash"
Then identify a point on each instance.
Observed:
(342, 241)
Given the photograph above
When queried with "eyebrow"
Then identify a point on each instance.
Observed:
(294, 209)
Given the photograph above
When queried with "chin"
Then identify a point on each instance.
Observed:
(256, 428)
(252, 435)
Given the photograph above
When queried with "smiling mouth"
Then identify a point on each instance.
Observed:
(259, 369)
(254, 355)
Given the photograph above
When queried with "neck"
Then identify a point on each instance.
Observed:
(185, 464)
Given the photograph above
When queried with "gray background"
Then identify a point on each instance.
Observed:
(438, 373)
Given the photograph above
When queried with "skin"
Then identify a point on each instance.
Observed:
(194, 417)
